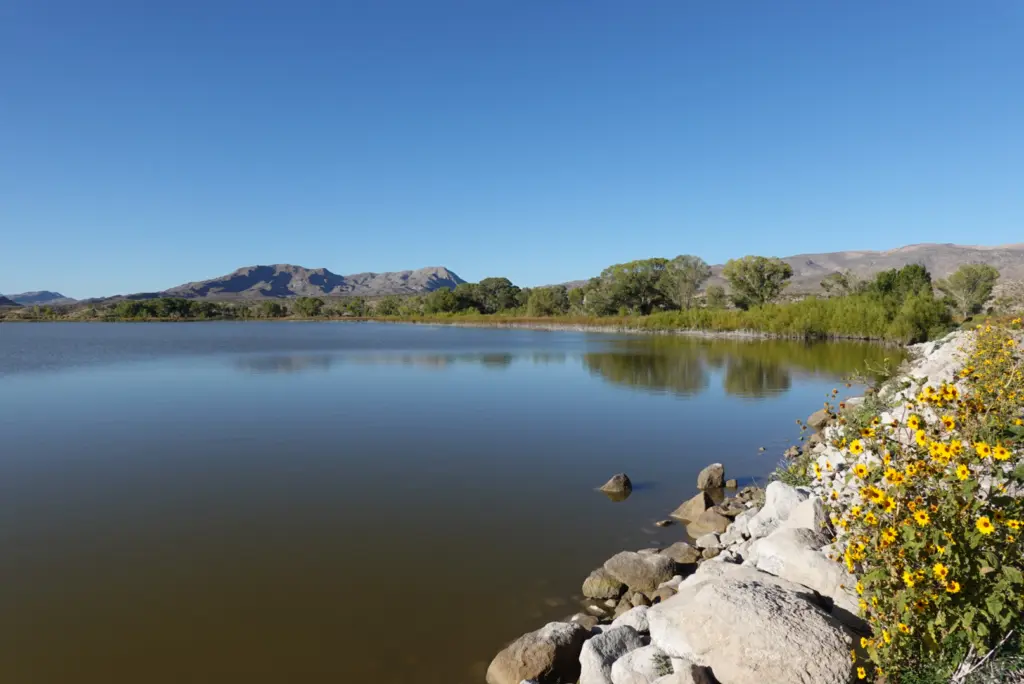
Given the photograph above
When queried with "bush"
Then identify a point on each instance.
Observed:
(931, 528)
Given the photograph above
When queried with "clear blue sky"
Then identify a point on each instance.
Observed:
(144, 144)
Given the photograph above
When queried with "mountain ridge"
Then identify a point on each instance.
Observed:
(38, 297)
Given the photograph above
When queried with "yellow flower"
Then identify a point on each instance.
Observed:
(817, 471)
(856, 447)
(874, 494)
(889, 535)
(953, 587)
(890, 504)
(886, 637)
(963, 472)
(911, 469)
(865, 642)
(940, 571)
(855, 511)
(985, 525)
(867, 432)
(860, 470)
(1000, 453)
(860, 588)
(921, 518)
(948, 422)
(908, 579)
(956, 447)
(893, 477)
(921, 438)
(905, 629)
(914, 423)
(1013, 524)
(862, 673)
(870, 519)
(983, 449)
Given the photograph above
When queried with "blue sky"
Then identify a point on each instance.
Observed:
(145, 144)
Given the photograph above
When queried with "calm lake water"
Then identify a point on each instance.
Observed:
(284, 502)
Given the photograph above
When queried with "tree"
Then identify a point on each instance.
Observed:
(577, 298)
(389, 306)
(896, 284)
(548, 301)
(683, 278)
(441, 300)
(309, 306)
(756, 280)
(635, 285)
(714, 297)
(841, 283)
(969, 287)
(497, 294)
(272, 309)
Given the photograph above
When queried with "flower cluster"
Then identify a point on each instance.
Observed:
(929, 519)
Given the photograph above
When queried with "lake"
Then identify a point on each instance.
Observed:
(349, 502)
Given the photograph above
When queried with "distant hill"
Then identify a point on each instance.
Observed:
(4, 301)
(42, 297)
(286, 280)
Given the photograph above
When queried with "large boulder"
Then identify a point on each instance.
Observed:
(600, 585)
(713, 572)
(682, 553)
(635, 617)
(550, 654)
(685, 672)
(619, 484)
(779, 501)
(752, 633)
(640, 572)
(644, 665)
(692, 508)
(809, 514)
(708, 521)
(712, 477)
(795, 554)
(819, 419)
(599, 653)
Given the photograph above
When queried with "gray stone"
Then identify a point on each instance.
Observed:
(731, 484)
(634, 617)
(809, 514)
(733, 535)
(641, 666)
(662, 593)
(639, 599)
(551, 653)
(676, 579)
(625, 605)
(618, 484)
(692, 508)
(601, 585)
(585, 621)
(709, 521)
(640, 572)
(685, 672)
(708, 541)
(599, 653)
(711, 572)
(752, 633)
(712, 477)
(708, 554)
(819, 419)
(780, 500)
(791, 453)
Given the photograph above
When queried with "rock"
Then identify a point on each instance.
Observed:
(793, 554)
(675, 581)
(809, 514)
(585, 621)
(618, 484)
(791, 453)
(710, 572)
(685, 672)
(663, 523)
(692, 508)
(639, 599)
(551, 653)
(625, 605)
(751, 633)
(601, 585)
(610, 603)
(709, 521)
(708, 554)
(634, 617)
(731, 484)
(780, 500)
(712, 477)
(640, 572)
(733, 535)
(641, 666)
(600, 652)
(661, 594)
(708, 541)
(819, 419)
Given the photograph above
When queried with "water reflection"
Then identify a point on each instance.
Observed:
(686, 365)
(298, 363)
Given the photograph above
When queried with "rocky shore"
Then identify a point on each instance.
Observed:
(753, 596)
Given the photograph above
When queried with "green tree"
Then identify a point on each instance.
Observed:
(389, 306)
(714, 297)
(969, 287)
(756, 280)
(468, 296)
(497, 294)
(683, 278)
(577, 298)
(309, 307)
(441, 300)
(548, 301)
(356, 306)
(840, 283)
(636, 285)
(269, 309)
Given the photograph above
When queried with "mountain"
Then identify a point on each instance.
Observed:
(41, 297)
(4, 301)
(286, 280)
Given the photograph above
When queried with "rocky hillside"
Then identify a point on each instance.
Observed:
(4, 301)
(286, 280)
(40, 298)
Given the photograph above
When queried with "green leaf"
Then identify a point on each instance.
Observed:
(1013, 574)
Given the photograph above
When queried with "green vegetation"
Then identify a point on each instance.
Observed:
(970, 287)
(756, 280)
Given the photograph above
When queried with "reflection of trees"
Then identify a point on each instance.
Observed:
(678, 373)
(283, 364)
(752, 377)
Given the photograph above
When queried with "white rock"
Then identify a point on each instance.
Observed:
(752, 633)
(780, 500)
(644, 665)
(732, 535)
(809, 514)
(672, 583)
(685, 672)
(601, 651)
(634, 617)
(708, 541)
